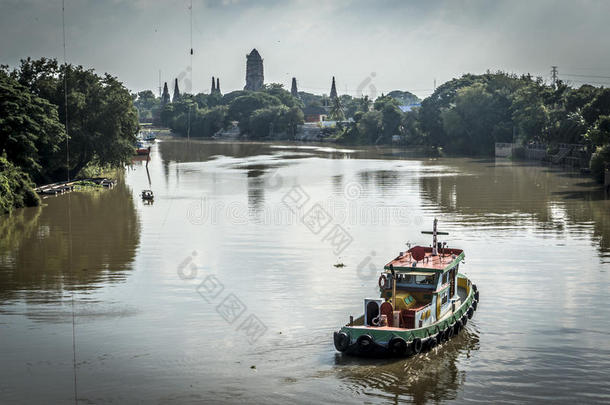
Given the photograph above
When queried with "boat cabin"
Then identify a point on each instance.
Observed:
(418, 288)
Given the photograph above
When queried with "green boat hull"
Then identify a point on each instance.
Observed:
(360, 340)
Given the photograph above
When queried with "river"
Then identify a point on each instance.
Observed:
(224, 290)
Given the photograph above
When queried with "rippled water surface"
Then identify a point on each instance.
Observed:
(219, 289)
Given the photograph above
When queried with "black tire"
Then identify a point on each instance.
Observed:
(464, 320)
(457, 327)
(440, 337)
(449, 332)
(476, 295)
(397, 346)
(470, 312)
(365, 343)
(431, 343)
(416, 345)
(341, 341)
(474, 287)
(475, 304)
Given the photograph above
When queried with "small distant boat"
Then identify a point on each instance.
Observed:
(141, 150)
(150, 136)
(147, 195)
(424, 302)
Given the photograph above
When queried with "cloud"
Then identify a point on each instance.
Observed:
(407, 43)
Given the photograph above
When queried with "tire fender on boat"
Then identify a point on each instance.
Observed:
(431, 342)
(476, 295)
(464, 320)
(416, 345)
(470, 312)
(457, 326)
(365, 343)
(382, 281)
(475, 303)
(341, 341)
(440, 337)
(398, 346)
(449, 332)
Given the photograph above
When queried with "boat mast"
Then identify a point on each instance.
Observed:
(435, 234)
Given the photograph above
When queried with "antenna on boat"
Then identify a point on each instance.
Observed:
(434, 234)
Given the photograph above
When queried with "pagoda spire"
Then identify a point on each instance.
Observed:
(333, 90)
(176, 95)
(165, 95)
(213, 86)
(218, 85)
(293, 89)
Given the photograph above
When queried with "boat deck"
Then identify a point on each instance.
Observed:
(461, 293)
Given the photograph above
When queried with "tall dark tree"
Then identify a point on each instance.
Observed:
(102, 120)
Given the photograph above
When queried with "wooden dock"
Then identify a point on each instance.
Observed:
(67, 186)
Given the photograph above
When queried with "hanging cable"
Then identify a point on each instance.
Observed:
(63, 28)
(188, 130)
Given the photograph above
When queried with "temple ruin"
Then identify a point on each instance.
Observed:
(254, 71)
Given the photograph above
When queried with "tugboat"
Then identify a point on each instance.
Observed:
(424, 302)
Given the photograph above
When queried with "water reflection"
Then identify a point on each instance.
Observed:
(504, 194)
(74, 241)
(434, 376)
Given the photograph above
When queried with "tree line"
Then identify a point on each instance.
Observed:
(102, 126)
(464, 116)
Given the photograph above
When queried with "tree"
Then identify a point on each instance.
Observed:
(336, 110)
(102, 120)
(30, 132)
(242, 107)
(16, 188)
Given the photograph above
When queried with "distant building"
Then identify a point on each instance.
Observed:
(333, 90)
(314, 113)
(254, 71)
(213, 89)
(409, 107)
(165, 95)
(176, 95)
(293, 88)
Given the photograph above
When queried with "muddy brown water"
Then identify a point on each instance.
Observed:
(225, 287)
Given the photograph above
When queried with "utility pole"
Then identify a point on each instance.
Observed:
(554, 75)
(434, 85)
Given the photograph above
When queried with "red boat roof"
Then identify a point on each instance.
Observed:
(420, 258)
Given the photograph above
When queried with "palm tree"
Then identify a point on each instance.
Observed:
(336, 110)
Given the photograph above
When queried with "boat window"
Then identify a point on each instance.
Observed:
(408, 299)
(444, 300)
(424, 280)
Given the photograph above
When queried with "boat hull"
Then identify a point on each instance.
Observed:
(378, 342)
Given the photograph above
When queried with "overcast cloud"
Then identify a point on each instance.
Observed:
(406, 44)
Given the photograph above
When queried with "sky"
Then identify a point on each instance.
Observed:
(371, 47)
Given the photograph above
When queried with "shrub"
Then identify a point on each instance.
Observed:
(16, 188)
(599, 161)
